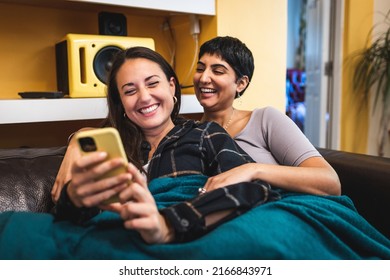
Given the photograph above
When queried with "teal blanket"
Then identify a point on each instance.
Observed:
(295, 227)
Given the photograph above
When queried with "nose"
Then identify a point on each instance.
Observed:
(205, 77)
(144, 95)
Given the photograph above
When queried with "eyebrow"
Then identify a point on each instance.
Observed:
(147, 79)
(214, 65)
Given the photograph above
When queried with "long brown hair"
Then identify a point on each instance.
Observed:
(131, 134)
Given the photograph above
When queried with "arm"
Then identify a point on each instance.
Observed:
(313, 176)
(81, 198)
(300, 168)
(141, 213)
(64, 173)
(220, 151)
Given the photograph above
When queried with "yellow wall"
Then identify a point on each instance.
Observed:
(262, 25)
(28, 57)
(28, 35)
(187, 52)
(27, 54)
(354, 117)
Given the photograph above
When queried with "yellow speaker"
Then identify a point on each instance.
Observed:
(83, 61)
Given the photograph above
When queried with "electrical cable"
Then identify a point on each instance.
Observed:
(196, 39)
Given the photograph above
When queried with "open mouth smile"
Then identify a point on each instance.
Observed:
(149, 109)
(207, 90)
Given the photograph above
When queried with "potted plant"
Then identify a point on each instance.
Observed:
(372, 77)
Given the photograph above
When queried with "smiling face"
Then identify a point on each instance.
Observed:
(146, 95)
(215, 83)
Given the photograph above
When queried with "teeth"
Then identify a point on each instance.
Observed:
(148, 109)
(207, 90)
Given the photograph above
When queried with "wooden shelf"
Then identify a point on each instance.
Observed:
(65, 109)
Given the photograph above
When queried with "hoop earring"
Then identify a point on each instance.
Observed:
(174, 99)
(124, 115)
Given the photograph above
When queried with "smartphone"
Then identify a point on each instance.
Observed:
(103, 139)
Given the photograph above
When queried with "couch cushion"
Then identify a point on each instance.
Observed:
(366, 180)
(27, 176)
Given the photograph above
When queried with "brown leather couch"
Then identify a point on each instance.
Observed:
(27, 175)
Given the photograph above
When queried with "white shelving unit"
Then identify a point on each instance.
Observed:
(200, 7)
(13, 111)
(66, 109)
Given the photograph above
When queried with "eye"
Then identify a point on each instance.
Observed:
(153, 84)
(199, 69)
(130, 91)
(219, 70)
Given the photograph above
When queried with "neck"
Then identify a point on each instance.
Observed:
(156, 135)
(223, 118)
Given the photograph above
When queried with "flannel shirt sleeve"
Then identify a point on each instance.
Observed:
(221, 151)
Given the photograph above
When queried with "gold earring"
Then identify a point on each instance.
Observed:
(174, 99)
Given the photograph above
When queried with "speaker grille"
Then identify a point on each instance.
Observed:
(112, 24)
(84, 60)
(102, 62)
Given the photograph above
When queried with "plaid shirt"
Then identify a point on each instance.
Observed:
(189, 148)
(196, 148)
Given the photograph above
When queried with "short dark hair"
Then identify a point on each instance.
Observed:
(234, 52)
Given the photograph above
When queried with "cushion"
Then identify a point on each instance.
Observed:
(27, 176)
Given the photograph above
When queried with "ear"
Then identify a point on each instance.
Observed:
(242, 83)
(172, 85)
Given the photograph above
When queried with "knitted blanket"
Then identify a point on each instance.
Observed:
(294, 227)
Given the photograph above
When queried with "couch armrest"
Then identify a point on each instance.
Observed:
(27, 176)
(366, 180)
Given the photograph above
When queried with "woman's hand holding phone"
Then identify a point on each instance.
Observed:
(101, 172)
(89, 187)
(140, 213)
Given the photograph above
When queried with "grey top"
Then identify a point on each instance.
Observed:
(272, 137)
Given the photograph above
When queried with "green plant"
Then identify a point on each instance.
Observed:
(372, 77)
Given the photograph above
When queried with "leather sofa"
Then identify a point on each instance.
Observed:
(27, 175)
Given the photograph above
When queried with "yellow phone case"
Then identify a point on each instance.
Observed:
(103, 139)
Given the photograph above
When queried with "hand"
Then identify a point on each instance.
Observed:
(88, 188)
(140, 212)
(242, 173)
(64, 173)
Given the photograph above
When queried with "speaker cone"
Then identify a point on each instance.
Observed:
(102, 62)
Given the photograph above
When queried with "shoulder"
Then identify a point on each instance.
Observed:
(265, 114)
(267, 111)
(270, 115)
(198, 129)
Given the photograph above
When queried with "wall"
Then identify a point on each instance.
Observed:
(262, 26)
(293, 18)
(31, 32)
(380, 8)
(354, 117)
(27, 48)
(28, 35)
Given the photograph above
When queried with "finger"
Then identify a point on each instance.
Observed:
(95, 193)
(138, 177)
(88, 161)
(135, 192)
(105, 187)
(93, 169)
(133, 210)
(113, 207)
(139, 224)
